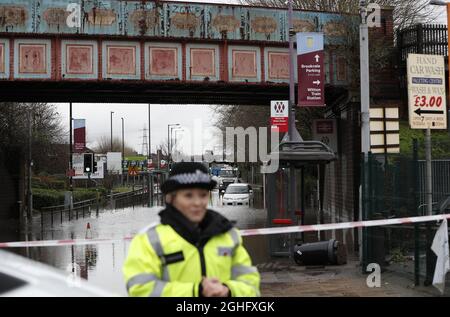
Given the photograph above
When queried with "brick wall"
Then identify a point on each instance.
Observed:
(384, 82)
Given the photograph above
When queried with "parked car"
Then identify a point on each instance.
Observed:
(22, 277)
(238, 194)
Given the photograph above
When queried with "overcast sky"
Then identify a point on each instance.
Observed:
(98, 121)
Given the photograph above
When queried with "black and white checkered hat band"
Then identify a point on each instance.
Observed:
(191, 178)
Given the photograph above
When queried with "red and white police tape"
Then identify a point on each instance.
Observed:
(244, 232)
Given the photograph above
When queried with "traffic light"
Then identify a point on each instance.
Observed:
(88, 163)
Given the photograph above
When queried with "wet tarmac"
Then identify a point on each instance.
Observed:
(102, 264)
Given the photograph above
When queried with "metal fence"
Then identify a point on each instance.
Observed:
(393, 186)
(422, 39)
(85, 208)
(62, 212)
(419, 39)
(441, 181)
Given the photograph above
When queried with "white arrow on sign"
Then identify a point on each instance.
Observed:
(317, 58)
(317, 82)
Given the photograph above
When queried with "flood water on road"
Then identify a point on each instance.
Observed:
(102, 264)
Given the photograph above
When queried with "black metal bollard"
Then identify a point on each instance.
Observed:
(320, 253)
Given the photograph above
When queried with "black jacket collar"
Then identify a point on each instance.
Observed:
(212, 225)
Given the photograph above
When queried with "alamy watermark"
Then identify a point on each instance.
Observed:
(239, 145)
(74, 18)
(374, 278)
(371, 14)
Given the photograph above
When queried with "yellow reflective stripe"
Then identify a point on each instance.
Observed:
(235, 237)
(154, 240)
(141, 279)
(238, 270)
(158, 289)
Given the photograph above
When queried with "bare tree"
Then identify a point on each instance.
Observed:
(104, 146)
(46, 125)
(406, 12)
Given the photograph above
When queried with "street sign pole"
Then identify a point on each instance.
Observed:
(291, 124)
(365, 83)
(429, 182)
(427, 104)
(365, 114)
(429, 201)
(428, 111)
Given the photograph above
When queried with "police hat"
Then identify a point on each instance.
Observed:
(188, 175)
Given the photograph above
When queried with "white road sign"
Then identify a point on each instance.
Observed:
(279, 115)
(426, 92)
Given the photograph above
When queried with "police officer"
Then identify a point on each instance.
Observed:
(194, 251)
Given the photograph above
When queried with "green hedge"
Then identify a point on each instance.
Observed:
(46, 182)
(43, 197)
(55, 184)
(37, 183)
(83, 194)
(47, 197)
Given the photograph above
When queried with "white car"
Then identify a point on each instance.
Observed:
(22, 277)
(238, 194)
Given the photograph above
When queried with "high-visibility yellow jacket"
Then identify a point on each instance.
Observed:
(162, 262)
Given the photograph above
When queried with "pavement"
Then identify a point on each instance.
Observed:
(283, 278)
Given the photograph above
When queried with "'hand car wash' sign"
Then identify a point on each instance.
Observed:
(311, 75)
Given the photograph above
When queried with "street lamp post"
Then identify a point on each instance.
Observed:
(175, 138)
(292, 54)
(293, 134)
(365, 118)
(111, 131)
(365, 82)
(123, 148)
(149, 159)
(169, 133)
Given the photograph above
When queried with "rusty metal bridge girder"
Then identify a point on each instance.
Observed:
(157, 93)
(138, 92)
